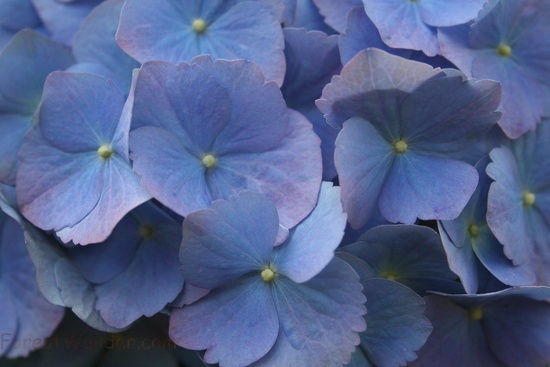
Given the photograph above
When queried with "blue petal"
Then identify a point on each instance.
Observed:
(401, 26)
(319, 319)
(165, 32)
(79, 112)
(237, 324)
(151, 281)
(25, 63)
(231, 239)
(78, 294)
(12, 129)
(336, 12)
(63, 20)
(441, 13)
(362, 33)
(396, 325)
(449, 115)
(426, 187)
(363, 160)
(310, 246)
(33, 316)
(370, 70)
(456, 340)
(409, 254)
(95, 43)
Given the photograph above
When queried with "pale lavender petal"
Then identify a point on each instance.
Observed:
(310, 246)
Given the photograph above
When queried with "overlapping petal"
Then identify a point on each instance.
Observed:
(231, 239)
(238, 317)
(310, 246)
(319, 319)
(410, 254)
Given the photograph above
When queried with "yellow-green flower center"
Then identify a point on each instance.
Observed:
(475, 313)
(209, 161)
(105, 151)
(504, 50)
(473, 230)
(528, 198)
(146, 231)
(400, 146)
(199, 26)
(268, 274)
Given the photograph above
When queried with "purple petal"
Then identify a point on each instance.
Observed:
(397, 327)
(78, 294)
(426, 187)
(319, 319)
(441, 13)
(369, 70)
(95, 43)
(225, 322)
(21, 82)
(336, 12)
(150, 282)
(33, 316)
(401, 26)
(63, 20)
(449, 115)
(231, 239)
(310, 246)
(363, 160)
(162, 30)
(410, 254)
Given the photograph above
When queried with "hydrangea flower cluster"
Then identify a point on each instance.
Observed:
(274, 183)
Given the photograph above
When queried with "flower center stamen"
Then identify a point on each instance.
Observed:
(504, 50)
(528, 198)
(475, 313)
(105, 151)
(146, 231)
(400, 146)
(199, 26)
(473, 230)
(209, 161)
(268, 274)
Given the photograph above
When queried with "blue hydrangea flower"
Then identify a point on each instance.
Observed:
(95, 48)
(507, 43)
(290, 305)
(24, 65)
(16, 15)
(109, 285)
(62, 19)
(176, 31)
(412, 24)
(312, 58)
(406, 129)
(209, 129)
(505, 328)
(410, 254)
(80, 145)
(470, 244)
(27, 318)
(518, 208)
